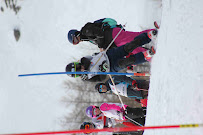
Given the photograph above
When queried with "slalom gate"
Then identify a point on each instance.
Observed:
(120, 129)
(95, 73)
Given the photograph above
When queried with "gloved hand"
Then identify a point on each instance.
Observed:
(134, 84)
(124, 111)
(120, 114)
(103, 67)
(84, 77)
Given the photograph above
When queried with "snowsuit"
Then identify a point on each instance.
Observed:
(116, 111)
(112, 57)
(124, 87)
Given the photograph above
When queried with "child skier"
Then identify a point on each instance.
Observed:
(116, 112)
(102, 32)
(112, 60)
(125, 86)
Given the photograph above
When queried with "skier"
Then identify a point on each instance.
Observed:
(100, 121)
(115, 111)
(112, 60)
(125, 86)
(102, 32)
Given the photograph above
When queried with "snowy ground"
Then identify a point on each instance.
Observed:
(176, 95)
(33, 104)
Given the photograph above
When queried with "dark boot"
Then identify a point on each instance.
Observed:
(134, 112)
(144, 94)
(123, 63)
(138, 41)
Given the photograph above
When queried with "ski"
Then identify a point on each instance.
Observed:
(156, 25)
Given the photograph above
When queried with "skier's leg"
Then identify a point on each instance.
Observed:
(134, 112)
(143, 84)
(114, 55)
(138, 41)
(140, 120)
(134, 94)
(132, 60)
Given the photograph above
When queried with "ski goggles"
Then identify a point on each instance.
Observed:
(94, 113)
(100, 88)
(75, 66)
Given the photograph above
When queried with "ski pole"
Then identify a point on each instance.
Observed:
(138, 89)
(95, 73)
(133, 121)
(117, 92)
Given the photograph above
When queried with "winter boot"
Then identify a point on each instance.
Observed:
(134, 112)
(152, 51)
(149, 53)
(152, 34)
(156, 25)
(123, 63)
(144, 94)
(138, 41)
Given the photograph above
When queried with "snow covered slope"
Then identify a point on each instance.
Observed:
(176, 95)
(32, 104)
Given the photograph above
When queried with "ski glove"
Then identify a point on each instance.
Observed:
(124, 111)
(84, 77)
(120, 114)
(103, 67)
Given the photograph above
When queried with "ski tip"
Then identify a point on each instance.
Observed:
(156, 25)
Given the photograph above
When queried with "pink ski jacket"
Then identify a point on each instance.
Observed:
(126, 37)
(113, 110)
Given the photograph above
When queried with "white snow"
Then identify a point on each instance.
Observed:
(33, 104)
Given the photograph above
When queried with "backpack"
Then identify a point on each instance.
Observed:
(105, 23)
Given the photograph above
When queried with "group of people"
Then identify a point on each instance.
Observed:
(119, 49)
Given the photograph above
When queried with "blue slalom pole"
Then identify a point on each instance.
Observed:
(95, 73)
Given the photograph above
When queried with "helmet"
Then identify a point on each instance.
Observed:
(89, 111)
(71, 34)
(97, 87)
(73, 67)
(86, 125)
